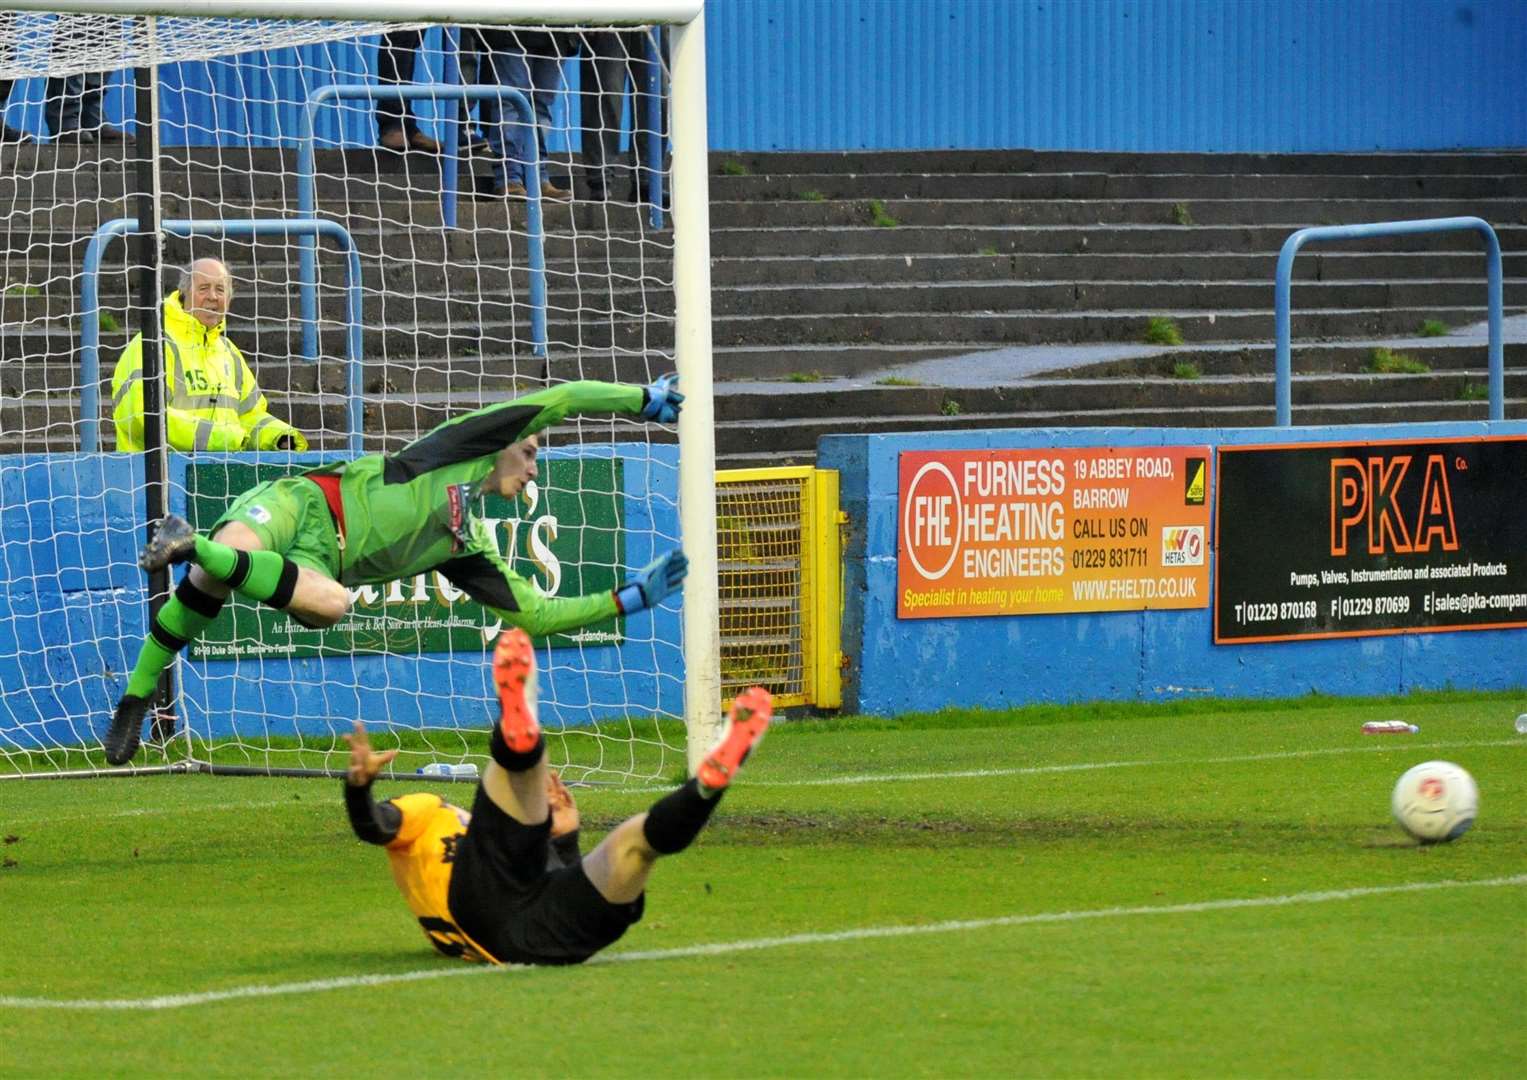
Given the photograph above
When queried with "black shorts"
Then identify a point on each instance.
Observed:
(505, 899)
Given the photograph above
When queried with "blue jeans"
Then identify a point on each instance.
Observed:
(538, 78)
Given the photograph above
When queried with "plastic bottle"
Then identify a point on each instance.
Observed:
(1389, 727)
(1521, 724)
(460, 771)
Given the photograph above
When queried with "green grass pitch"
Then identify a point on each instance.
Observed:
(1203, 891)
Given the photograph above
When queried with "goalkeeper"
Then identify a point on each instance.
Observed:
(505, 883)
(298, 543)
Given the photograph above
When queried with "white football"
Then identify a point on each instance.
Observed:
(1435, 801)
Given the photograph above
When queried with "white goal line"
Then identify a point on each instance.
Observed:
(43, 818)
(182, 1001)
(1093, 766)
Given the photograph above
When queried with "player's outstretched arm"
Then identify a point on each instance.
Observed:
(488, 430)
(660, 578)
(373, 823)
(485, 577)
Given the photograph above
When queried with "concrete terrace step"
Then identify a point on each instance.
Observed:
(590, 305)
(494, 247)
(282, 340)
(1009, 161)
(737, 404)
(1186, 186)
(1158, 211)
(823, 371)
(794, 441)
(1313, 264)
(1076, 239)
(51, 215)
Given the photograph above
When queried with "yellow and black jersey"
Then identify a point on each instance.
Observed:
(420, 832)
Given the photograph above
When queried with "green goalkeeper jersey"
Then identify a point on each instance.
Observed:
(413, 511)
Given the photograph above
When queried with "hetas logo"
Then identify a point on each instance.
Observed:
(1182, 545)
(1368, 496)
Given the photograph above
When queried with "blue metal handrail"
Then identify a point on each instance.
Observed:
(1493, 300)
(90, 332)
(307, 198)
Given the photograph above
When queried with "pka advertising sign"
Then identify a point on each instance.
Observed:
(1047, 531)
(565, 535)
(1341, 540)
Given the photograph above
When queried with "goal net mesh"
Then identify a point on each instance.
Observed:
(495, 257)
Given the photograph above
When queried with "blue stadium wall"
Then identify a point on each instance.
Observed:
(922, 665)
(1139, 75)
(74, 611)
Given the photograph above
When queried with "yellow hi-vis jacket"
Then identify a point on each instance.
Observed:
(212, 401)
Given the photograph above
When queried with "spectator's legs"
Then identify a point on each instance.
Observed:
(603, 97)
(641, 127)
(7, 133)
(546, 82)
(397, 59)
(396, 55)
(509, 138)
(61, 109)
(92, 90)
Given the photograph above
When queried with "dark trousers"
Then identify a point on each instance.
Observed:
(396, 57)
(614, 61)
(74, 103)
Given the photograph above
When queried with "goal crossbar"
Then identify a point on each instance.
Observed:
(500, 12)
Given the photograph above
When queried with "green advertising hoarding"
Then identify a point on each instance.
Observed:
(565, 535)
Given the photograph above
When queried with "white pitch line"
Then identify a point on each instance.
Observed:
(210, 997)
(1091, 766)
(862, 778)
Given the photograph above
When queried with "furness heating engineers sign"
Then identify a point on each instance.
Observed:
(1045, 531)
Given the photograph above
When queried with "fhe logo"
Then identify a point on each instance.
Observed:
(1182, 545)
(931, 523)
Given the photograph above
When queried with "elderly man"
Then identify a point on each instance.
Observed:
(212, 401)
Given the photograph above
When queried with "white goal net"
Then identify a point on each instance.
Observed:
(416, 221)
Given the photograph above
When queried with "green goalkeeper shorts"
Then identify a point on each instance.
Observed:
(290, 516)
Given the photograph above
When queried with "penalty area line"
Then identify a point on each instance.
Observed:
(866, 933)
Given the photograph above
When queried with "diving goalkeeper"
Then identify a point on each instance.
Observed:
(505, 884)
(298, 542)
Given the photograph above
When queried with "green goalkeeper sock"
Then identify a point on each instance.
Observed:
(183, 617)
(266, 576)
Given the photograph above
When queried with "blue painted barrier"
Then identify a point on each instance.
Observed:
(74, 614)
(1494, 303)
(899, 666)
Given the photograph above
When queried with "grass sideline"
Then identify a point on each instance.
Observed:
(1049, 817)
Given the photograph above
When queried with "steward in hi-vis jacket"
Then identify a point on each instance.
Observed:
(211, 399)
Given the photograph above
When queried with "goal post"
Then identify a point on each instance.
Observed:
(445, 304)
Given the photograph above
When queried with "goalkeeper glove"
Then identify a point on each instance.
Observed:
(662, 399)
(654, 581)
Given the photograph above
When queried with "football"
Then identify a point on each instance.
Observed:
(1435, 801)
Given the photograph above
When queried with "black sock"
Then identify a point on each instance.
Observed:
(511, 760)
(677, 818)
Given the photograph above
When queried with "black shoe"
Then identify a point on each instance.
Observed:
(76, 136)
(106, 133)
(174, 541)
(9, 134)
(126, 729)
